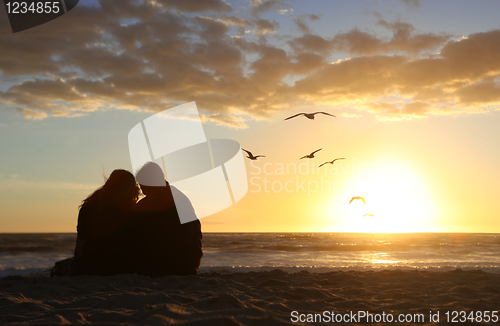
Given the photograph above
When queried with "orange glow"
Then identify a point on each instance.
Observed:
(394, 195)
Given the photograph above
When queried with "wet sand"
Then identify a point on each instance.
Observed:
(253, 298)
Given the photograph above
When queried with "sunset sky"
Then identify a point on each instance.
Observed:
(415, 86)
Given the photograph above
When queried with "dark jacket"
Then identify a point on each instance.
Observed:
(159, 244)
(97, 250)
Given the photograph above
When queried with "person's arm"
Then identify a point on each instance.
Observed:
(192, 246)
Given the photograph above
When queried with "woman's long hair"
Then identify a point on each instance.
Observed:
(120, 188)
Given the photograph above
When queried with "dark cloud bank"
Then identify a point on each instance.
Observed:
(155, 54)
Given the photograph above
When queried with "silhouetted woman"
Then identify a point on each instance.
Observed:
(101, 216)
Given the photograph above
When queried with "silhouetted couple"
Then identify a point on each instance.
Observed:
(117, 234)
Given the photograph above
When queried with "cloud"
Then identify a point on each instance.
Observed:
(257, 26)
(478, 93)
(300, 22)
(363, 43)
(233, 20)
(457, 80)
(264, 26)
(301, 25)
(386, 111)
(197, 5)
(312, 43)
(404, 40)
(141, 55)
(32, 114)
(258, 7)
(314, 17)
(227, 120)
(412, 3)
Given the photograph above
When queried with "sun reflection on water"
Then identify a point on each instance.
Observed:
(378, 258)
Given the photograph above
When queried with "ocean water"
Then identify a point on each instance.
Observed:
(31, 254)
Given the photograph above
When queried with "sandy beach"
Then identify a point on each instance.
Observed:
(253, 298)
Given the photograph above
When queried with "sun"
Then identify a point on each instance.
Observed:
(396, 201)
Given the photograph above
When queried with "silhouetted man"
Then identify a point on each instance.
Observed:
(161, 245)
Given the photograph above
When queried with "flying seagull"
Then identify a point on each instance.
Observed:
(331, 162)
(368, 215)
(311, 155)
(250, 155)
(309, 115)
(358, 197)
